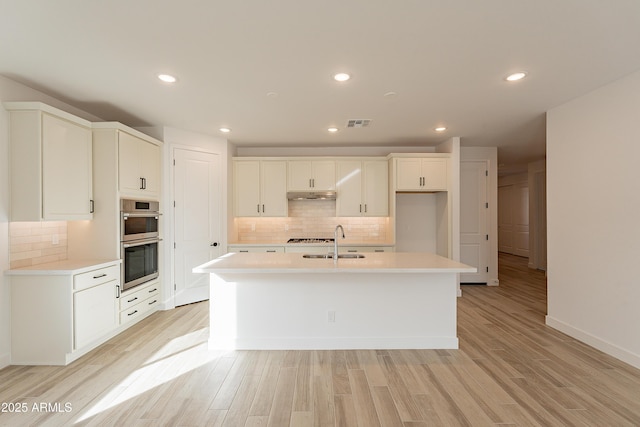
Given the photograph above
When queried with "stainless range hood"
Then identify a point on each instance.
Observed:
(311, 195)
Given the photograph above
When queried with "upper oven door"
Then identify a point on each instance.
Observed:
(137, 226)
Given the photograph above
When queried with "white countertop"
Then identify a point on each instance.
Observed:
(377, 262)
(66, 267)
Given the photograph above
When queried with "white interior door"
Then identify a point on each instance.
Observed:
(474, 246)
(513, 219)
(197, 221)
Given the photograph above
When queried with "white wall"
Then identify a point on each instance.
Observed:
(593, 206)
(5, 338)
(13, 91)
(328, 151)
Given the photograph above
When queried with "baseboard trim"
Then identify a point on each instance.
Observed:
(592, 340)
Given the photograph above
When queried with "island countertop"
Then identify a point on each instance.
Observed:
(373, 262)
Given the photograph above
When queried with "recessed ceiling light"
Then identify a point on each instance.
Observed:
(390, 95)
(341, 77)
(516, 76)
(225, 130)
(332, 130)
(440, 129)
(272, 94)
(167, 78)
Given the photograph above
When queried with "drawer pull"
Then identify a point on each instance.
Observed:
(100, 275)
(132, 313)
(153, 290)
(132, 300)
(153, 302)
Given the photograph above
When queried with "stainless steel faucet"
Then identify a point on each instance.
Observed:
(335, 241)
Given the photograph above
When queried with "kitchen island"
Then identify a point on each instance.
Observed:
(283, 301)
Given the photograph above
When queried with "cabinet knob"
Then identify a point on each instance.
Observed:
(214, 244)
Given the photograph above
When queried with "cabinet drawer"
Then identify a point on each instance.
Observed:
(130, 299)
(139, 309)
(96, 277)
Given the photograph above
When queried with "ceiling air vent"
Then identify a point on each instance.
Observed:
(358, 123)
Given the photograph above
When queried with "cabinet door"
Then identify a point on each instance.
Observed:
(94, 313)
(324, 175)
(138, 166)
(66, 169)
(129, 174)
(408, 174)
(246, 185)
(376, 188)
(273, 182)
(434, 172)
(299, 175)
(150, 159)
(349, 188)
(307, 175)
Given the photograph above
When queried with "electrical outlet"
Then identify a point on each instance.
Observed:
(331, 316)
(55, 239)
(286, 227)
(253, 227)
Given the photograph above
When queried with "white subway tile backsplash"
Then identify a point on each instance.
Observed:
(272, 230)
(31, 243)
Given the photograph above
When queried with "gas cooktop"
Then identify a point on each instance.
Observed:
(311, 240)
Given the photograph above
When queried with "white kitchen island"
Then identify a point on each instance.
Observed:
(283, 301)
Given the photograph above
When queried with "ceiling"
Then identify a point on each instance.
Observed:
(264, 68)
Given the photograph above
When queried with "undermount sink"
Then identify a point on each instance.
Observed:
(330, 256)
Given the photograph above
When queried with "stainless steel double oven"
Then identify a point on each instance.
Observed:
(139, 241)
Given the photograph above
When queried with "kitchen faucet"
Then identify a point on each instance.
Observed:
(335, 241)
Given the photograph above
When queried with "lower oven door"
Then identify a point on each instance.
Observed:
(139, 262)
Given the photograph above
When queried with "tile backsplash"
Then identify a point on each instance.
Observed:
(33, 243)
(311, 219)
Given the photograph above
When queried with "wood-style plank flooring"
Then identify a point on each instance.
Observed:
(511, 369)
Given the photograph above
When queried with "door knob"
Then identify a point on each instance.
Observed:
(214, 244)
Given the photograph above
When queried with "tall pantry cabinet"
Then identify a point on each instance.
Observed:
(116, 159)
(126, 164)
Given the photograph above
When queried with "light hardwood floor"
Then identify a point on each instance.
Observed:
(510, 370)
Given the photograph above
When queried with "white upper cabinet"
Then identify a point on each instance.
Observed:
(260, 187)
(311, 175)
(51, 164)
(138, 167)
(421, 174)
(362, 188)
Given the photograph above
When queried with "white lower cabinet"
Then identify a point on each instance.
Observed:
(139, 301)
(58, 316)
(92, 316)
